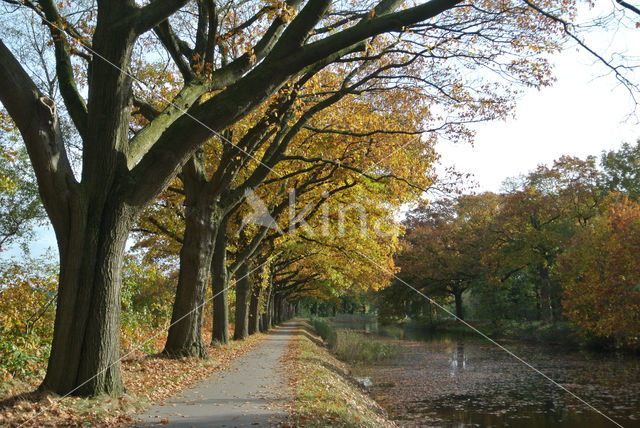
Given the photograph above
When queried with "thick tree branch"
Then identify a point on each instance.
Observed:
(346, 39)
(171, 43)
(36, 117)
(629, 6)
(212, 33)
(192, 91)
(177, 142)
(145, 109)
(298, 31)
(155, 12)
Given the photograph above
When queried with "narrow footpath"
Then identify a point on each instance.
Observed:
(252, 391)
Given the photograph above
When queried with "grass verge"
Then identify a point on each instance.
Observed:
(325, 396)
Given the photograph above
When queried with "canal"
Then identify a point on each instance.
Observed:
(449, 380)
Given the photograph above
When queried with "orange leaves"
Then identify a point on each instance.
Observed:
(601, 275)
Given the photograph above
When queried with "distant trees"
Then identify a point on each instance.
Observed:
(446, 244)
(557, 244)
(621, 170)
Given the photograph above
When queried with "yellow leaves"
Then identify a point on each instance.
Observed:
(371, 13)
(281, 10)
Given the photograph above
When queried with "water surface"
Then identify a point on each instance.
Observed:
(465, 381)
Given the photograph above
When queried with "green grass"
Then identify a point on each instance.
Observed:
(324, 394)
(324, 330)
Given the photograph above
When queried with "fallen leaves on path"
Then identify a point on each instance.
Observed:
(147, 379)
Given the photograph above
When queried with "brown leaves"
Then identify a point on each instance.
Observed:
(146, 378)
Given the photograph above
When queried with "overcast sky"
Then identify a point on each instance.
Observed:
(585, 112)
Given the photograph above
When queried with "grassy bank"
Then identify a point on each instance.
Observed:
(325, 395)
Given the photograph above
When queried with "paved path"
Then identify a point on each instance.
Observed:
(250, 392)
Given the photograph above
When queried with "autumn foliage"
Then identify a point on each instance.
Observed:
(554, 255)
(601, 275)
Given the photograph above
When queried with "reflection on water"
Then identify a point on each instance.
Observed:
(448, 381)
(458, 359)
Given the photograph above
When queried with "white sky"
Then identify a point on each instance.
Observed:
(585, 112)
(578, 116)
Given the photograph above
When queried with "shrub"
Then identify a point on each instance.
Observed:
(27, 310)
(351, 346)
(326, 332)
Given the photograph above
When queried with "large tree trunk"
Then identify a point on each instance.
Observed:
(220, 334)
(276, 309)
(254, 309)
(263, 322)
(201, 224)
(93, 229)
(85, 351)
(243, 287)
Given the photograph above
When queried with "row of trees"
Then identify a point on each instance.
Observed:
(557, 244)
(234, 106)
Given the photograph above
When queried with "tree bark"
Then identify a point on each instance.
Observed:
(202, 220)
(93, 230)
(220, 334)
(277, 309)
(267, 316)
(85, 350)
(254, 309)
(458, 297)
(243, 287)
(263, 322)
